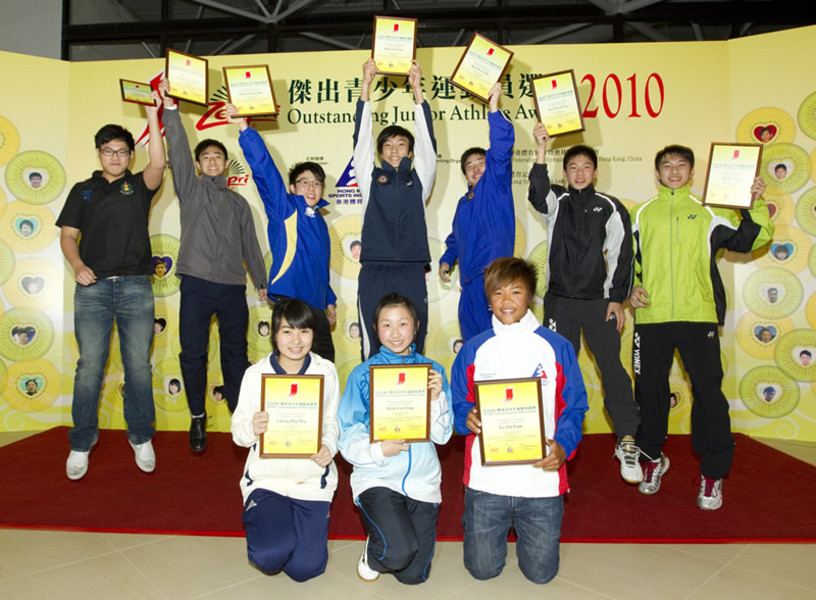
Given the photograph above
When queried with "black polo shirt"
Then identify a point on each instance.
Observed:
(112, 218)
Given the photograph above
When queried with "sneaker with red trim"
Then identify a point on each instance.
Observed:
(653, 471)
(710, 496)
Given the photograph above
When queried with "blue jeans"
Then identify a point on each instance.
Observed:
(487, 521)
(129, 300)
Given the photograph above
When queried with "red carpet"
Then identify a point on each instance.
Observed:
(768, 497)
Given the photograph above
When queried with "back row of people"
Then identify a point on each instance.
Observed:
(595, 263)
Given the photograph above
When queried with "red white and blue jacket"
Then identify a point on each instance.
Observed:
(521, 350)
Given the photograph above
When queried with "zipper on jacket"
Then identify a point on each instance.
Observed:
(675, 227)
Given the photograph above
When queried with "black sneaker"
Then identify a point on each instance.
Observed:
(198, 434)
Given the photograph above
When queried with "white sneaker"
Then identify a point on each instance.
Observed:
(365, 572)
(77, 464)
(145, 456)
(710, 496)
(629, 456)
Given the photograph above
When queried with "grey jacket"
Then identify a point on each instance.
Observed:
(217, 228)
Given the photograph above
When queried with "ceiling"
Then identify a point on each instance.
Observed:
(126, 29)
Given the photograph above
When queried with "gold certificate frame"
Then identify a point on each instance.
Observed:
(732, 169)
(295, 407)
(512, 416)
(400, 402)
(250, 90)
(394, 44)
(136, 92)
(556, 102)
(481, 66)
(187, 76)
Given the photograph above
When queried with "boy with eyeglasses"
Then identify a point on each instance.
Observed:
(111, 260)
(300, 247)
(217, 238)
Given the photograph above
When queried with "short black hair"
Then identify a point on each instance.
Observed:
(394, 131)
(782, 166)
(297, 313)
(204, 144)
(301, 167)
(581, 150)
(28, 222)
(770, 388)
(355, 243)
(806, 353)
(34, 174)
(763, 130)
(682, 151)
(111, 132)
(394, 299)
(161, 321)
(468, 153)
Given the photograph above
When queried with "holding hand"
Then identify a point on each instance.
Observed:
(394, 447)
(473, 423)
(444, 269)
(260, 421)
(415, 80)
(758, 188)
(323, 457)
(435, 384)
(542, 138)
(232, 117)
(554, 459)
(164, 89)
(639, 298)
(494, 95)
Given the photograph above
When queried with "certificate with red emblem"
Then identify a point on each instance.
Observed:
(556, 102)
(394, 44)
(250, 90)
(295, 407)
(512, 416)
(481, 66)
(400, 402)
(732, 169)
(187, 77)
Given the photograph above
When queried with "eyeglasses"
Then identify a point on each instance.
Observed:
(121, 152)
(313, 183)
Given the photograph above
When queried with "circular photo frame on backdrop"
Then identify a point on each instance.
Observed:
(27, 228)
(165, 249)
(769, 393)
(806, 116)
(168, 390)
(788, 250)
(795, 355)
(343, 233)
(758, 336)
(9, 140)
(33, 284)
(785, 167)
(806, 211)
(25, 334)
(780, 207)
(810, 311)
(31, 385)
(35, 177)
(772, 292)
(767, 125)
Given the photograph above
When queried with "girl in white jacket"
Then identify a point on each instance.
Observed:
(287, 500)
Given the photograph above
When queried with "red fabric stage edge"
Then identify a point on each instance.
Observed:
(768, 496)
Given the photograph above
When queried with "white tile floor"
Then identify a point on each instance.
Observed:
(89, 566)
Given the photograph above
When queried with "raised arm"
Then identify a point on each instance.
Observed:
(424, 140)
(540, 194)
(364, 135)
(178, 147)
(154, 171)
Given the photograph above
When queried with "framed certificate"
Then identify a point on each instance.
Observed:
(394, 44)
(481, 66)
(400, 402)
(556, 102)
(512, 417)
(295, 407)
(732, 169)
(250, 90)
(136, 92)
(187, 76)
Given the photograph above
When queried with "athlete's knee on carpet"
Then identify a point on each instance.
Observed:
(304, 571)
(270, 560)
(396, 559)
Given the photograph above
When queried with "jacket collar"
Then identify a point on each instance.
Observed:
(404, 166)
(528, 323)
(393, 357)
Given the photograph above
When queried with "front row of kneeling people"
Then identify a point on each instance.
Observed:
(663, 260)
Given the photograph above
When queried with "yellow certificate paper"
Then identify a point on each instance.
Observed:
(295, 407)
(556, 102)
(481, 66)
(250, 90)
(512, 421)
(187, 76)
(400, 402)
(136, 92)
(394, 44)
(732, 169)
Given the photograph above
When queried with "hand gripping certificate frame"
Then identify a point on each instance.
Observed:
(512, 416)
(393, 46)
(481, 66)
(136, 92)
(399, 402)
(187, 75)
(250, 90)
(556, 102)
(295, 407)
(732, 169)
